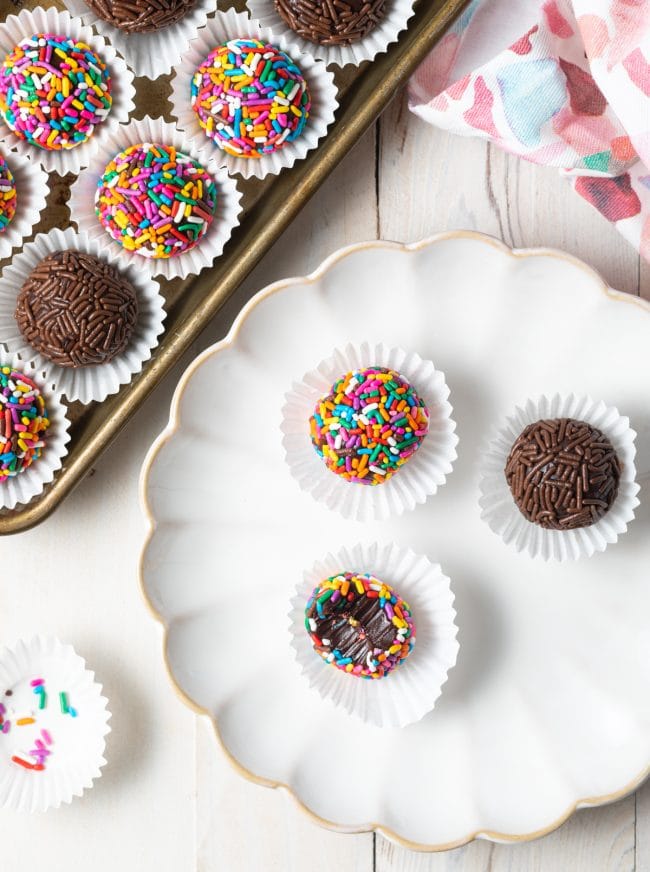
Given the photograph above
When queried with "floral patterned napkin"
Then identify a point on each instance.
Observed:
(571, 89)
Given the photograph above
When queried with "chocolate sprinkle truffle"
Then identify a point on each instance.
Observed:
(140, 16)
(359, 624)
(563, 474)
(76, 310)
(331, 22)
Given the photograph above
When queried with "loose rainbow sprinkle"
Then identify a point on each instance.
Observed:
(250, 98)
(369, 425)
(7, 195)
(359, 606)
(54, 91)
(155, 200)
(23, 422)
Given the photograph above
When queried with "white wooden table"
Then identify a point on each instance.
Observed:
(168, 799)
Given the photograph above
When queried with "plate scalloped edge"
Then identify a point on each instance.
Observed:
(173, 425)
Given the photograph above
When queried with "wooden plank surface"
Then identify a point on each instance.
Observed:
(169, 800)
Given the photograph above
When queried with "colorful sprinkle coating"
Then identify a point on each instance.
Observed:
(23, 422)
(155, 200)
(369, 425)
(54, 91)
(359, 624)
(250, 98)
(36, 758)
(7, 195)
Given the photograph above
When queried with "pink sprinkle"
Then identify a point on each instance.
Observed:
(46, 736)
(3, 710)
(37, 682)
(6, 726)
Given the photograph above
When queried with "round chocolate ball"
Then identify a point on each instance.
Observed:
(359, 624)
(369, 425)
(342, 22)
(77, 310)
(563, 474)
(140, 16)
(54, 91)
(7, 195)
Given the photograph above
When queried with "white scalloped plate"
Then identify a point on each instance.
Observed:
(548, 708)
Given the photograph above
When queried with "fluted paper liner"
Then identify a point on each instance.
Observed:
(237, 25)
(422, 474)
(50, 20)
(386, 32)
(31, 193)
(407, 693)
(209, 247)
(21, 488)
(499, 510)
(78, 743)
(148, 54)
(98, 381)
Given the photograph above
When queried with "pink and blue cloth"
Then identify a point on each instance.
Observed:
(562, 82)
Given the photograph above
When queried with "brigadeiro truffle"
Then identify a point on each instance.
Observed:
(250, 98)
(76, 310)
(7, 195)
(331, 22)
(54, 91)
(140, 16)
(563, 473)
(155, 201)
(369, 425)
(23, 422)
(359, 624)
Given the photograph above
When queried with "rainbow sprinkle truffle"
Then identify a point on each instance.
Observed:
(54, 91)
(250, 98)
(369, 425)
(155, 200)
(23, 422)
(7, 195)
(359, 624)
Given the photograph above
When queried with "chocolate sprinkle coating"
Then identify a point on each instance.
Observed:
(331, 22)
(76, 310)
(563, 474)
(140, 16)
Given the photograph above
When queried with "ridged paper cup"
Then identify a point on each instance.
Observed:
(21, 488)
(31, 193)
(499, 510)
(407, 693)
(410, 485)
(386, 32)
(237, 25)
(148, 54)
(50, 20)
(210, 246)
(77, 742)
(86, 383)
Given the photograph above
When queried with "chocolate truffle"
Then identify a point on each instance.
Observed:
(331, 22)
(359, 624)
(563, 473)
(250, 98)
(7, 195)
(23, 423)
(76, 310)
(54, 90)
(140, 16)
(368, 426)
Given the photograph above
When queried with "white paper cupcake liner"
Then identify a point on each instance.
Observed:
(78, 743)
(31, 193)
(398, 13)
(148, 54)
(419, 478)
(50, 20)
(237, 25)
(86, 383)
(209, 248)
(407, 693)
(21, 488)
(500, 511)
